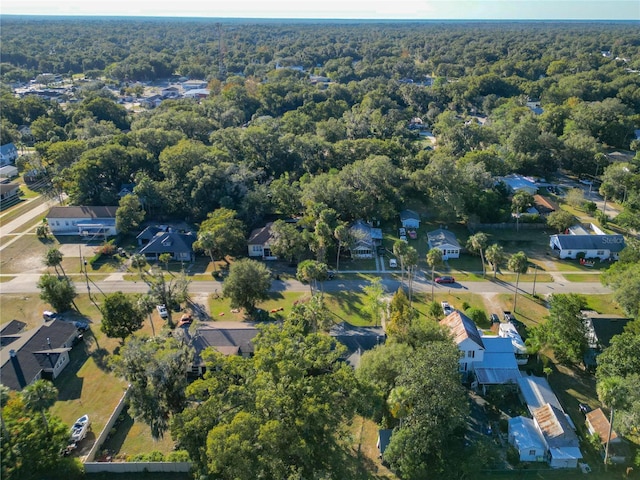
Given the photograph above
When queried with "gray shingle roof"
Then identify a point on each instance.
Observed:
(442, 237)
(82, 212)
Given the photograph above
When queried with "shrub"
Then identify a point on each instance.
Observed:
(513, 456)
(177, 456)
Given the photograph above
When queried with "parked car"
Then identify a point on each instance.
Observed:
(403, 238)
(445, 279)
(81, 326)
(584, 408)
(162, 310)
(393, 263)
(48, 315)
(402, 232)
(413, 234)
(508, 316)
(330, 274)
(494, 318)
(446, 308)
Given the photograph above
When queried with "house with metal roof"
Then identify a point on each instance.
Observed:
(446, 241)
(410, 219)
(560, 438)
(518, 183)
(597, 423)
(86, 221)
(604, 247)
(527, 439)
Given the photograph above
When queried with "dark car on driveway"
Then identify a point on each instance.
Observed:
(445, 279)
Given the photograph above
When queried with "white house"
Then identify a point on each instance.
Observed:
(197, 93)
(8, 171)
(8, 154)
(467, 338)
(446, 242)
(410, 219)
(9, 191)
(259, 243)
(91, 222)
(527, 439)
(367, 239)
(603, 247)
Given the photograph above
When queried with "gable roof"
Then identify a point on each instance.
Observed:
(600, 425)
(35, 351)
(169, 242)
(498, 365)
(357, 340)
(524, 433)
(603, 328)
(462, 328)
(613, 243)
(409, 215)
(82, 212)
(555, 427)
(442, 237)
(8, 149)
(537, 392)
(261, 236)
(235, 340)
(8, 187)
(12, 328)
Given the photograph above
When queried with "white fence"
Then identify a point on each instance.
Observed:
(107, 428)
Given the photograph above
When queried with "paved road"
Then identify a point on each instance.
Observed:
(26, 283)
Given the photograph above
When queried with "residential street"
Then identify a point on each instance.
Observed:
(27, 284)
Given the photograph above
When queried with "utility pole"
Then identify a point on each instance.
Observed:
(535, 274)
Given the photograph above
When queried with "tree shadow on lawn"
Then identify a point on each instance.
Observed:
(122, 428)
(69, 384)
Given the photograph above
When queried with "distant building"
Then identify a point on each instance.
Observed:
(518, 182)
(8, 154)
(446, 241)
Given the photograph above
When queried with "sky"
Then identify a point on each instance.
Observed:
(343, 9)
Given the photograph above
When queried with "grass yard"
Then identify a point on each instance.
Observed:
(529, 311)
(365, 435)
(582, 277)
(603, 304)
(24, 255)
(20, 209)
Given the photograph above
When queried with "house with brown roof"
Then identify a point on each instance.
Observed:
(561, 440)
(86, 221)
(597, 423)
(468, 339)
(259, 243)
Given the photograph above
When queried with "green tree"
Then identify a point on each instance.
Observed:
(32, 452)
(437, 408)
(53, 258)
(287, 402)
(495, 256)
(221, 234)
(518, 263)
(519, 203)
(165, 258)
(565, 328)
(39, 397)
(411, 262)
(138, 261)
(58, 292)
(248, 283)
(170, 293)
(129, 214)
(120, 316)
(560, 220)
(478, 243)
(400, 249)
(434, 260)
(145, 305)
(156, 370)
(312, 272)
(401, 316)
(312, 314)
(286, 241)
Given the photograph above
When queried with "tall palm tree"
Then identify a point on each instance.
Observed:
(40, 396)
(478, 243)
(53, 258)
(400, 248)
(612, 393)
(495, 256)
(344, 238)
(146, 305)
(434, 260)
(518, 263)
